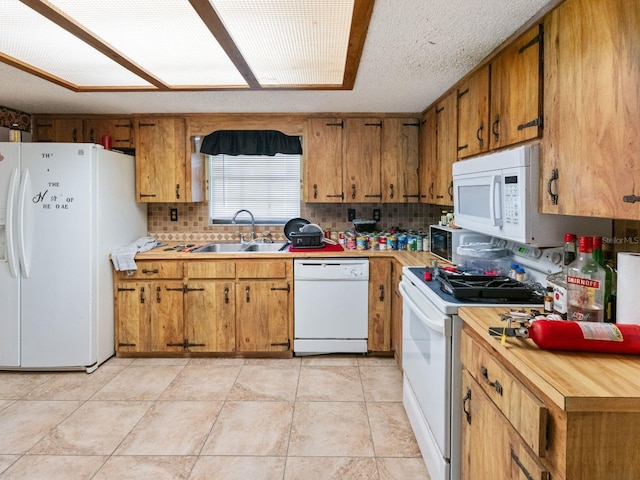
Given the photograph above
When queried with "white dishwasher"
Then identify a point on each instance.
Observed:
(331, 305)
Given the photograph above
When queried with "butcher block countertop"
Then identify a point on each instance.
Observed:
(574, 381)
(406, 258)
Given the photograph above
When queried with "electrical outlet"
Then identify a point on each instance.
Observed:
(351, 214)
(376, 214)
(173, 214)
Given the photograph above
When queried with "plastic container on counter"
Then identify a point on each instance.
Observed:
(483, 259)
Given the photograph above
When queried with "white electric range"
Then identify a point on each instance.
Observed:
(431, 352)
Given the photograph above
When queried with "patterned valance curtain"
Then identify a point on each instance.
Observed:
(11, 118)
(250, 142)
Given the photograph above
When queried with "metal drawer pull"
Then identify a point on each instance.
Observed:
(381, 293)
(248, 290)
(465, 401)
(226, 294)
(517, 461)
(155, 270)
(496, 385)
(286, 289)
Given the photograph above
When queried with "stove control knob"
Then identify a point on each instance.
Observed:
(556, 258)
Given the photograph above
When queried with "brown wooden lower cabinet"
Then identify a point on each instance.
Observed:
(231, 306)
(380, 298)
(528, 413)
(218, 306)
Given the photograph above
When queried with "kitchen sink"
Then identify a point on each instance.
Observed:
(240, 248)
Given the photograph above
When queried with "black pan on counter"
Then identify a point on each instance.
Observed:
(294, 225)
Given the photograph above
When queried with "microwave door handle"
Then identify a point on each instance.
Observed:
(495, 201)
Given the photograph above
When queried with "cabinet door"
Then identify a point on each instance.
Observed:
(161, 160)
(210, 316)
(58, 130)
(516, 91)
(323, 160)
(490, 449)
(428, 170)
(361, 165)
(132, 311)
(380, 295)
(263, 316)
(400, 160)
(473, 114)
(396, 312)
(446, 147)
(592, 109)
(167, 317)
(119, 129)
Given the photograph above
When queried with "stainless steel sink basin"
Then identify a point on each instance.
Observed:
(240, 248)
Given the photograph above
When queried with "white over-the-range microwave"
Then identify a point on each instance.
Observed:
(497, 194)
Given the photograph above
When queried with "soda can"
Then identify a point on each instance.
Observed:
(382, 242)
(392, 242)
(411, 243)
(402, 242)
(361, 243)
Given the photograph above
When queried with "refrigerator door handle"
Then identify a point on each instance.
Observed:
(12, 256)
(22, 202)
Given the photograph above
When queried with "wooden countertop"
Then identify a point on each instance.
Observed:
(406, 258)
(575, 381)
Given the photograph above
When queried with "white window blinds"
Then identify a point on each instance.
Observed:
(268, 186)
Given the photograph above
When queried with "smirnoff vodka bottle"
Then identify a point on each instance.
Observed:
(585, 285)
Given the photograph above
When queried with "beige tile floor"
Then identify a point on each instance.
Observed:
(324, 417)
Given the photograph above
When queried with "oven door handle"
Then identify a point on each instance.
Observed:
(406, 294)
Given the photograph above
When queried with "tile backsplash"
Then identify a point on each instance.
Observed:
(193, 220)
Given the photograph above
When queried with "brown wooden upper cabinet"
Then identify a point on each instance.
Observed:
(400, 160)
(591, 143)
(516, 84)
(323, 160)
(473, 114)
(119, 129)
(62, 129)
(427, 170)
(438, 151)
(500, 104)
(161, 166)
(361, 160)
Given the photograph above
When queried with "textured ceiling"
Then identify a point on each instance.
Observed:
(415, 50)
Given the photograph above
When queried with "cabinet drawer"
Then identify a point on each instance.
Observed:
(274, 268)
(211, 269)
(523, 465)
(525, 412)
(164, 269)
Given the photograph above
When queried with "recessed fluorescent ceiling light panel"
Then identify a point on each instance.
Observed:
(137, 45)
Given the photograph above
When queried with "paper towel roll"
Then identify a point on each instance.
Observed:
(628, 301)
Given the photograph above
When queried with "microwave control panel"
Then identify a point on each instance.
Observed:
(511, 199)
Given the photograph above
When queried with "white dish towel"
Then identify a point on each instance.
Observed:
(123, 257)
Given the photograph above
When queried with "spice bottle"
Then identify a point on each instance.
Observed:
(548, 300)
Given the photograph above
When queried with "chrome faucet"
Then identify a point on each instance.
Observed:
(253, 225)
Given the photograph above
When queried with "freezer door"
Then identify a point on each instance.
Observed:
(9, 282)
(55, 238)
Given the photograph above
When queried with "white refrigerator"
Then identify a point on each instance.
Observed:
(64, 207)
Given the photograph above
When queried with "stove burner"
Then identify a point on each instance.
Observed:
(483, 287)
